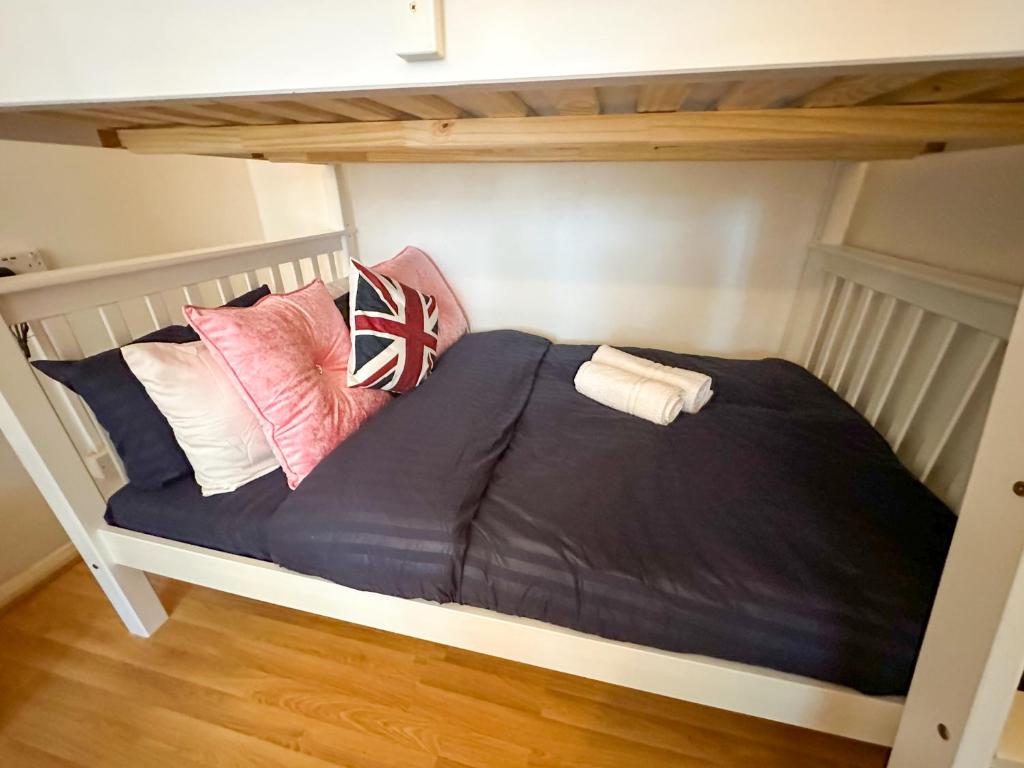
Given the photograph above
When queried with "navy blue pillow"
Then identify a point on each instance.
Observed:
(140, 433)
(342, 304)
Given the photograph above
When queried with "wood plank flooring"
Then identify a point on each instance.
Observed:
(233, 682)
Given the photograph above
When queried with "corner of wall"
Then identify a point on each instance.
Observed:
(837, 209)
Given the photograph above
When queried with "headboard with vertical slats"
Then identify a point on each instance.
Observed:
(915, 349)
(80, 311)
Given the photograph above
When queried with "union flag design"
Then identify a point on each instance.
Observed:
(394, 332)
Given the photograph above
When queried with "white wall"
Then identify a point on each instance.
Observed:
(81, 205)
(699, 257)
(57, 50)
(962, 211)
(294, 199)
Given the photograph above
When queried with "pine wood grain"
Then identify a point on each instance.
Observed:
(749, 134)
(897, 85)
(949, 86)
(489, 103)
(767, 94)
(426, 106)
(848, 90)
(662, 98)
(231, 682)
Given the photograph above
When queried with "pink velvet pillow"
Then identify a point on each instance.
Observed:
(414, 268)
(288, 357)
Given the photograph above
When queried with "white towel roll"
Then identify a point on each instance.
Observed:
(696, 387)
(624, 391)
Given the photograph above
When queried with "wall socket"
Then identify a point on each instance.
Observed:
(20, 262)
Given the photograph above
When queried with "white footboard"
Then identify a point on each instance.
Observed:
(79, 311)
(916, 349)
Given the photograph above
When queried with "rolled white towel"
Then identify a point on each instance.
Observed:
(696, 387)
(624, 391)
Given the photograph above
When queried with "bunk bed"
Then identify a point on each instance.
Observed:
(859, 317)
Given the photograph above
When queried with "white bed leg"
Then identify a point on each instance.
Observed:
(973, 652)
(38, 438)
(133, 598)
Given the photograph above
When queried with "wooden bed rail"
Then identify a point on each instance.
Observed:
(84, 310)
(24, 298)
(916, 349)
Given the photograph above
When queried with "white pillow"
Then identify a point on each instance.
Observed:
(214, 427)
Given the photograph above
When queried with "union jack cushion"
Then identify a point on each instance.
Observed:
(394, 332)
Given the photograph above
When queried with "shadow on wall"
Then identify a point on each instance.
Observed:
(700, 257)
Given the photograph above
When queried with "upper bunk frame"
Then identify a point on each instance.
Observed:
(853, 112)
(964, 679)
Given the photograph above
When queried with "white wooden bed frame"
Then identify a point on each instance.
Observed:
(973, 652)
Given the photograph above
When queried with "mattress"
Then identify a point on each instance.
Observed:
(774, 528)
(230, 522)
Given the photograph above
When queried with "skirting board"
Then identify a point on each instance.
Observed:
(36, 574)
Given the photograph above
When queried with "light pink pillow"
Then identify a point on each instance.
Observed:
(288, 357)
(414, 268)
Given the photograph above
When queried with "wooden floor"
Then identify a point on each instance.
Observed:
(232, 682)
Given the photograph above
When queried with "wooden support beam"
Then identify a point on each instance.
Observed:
(845, 131)
(187, 141)
(489, 103)
(848, 90)
(592, 153)
(662, 98)
(766, 94)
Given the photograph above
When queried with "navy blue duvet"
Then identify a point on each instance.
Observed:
(774, 528)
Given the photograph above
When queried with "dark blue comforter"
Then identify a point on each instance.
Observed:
(774, 528)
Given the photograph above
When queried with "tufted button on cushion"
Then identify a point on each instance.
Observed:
(288, 358)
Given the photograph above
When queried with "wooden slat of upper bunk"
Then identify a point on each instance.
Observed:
(848, 90)
(950, 86)
(657, 93)
(848, 132)
(766, 94)
(779, 93)
(662, 98)
(425, 106)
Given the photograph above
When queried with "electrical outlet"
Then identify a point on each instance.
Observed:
(419, 29)
(100, 465)
(20, 262)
